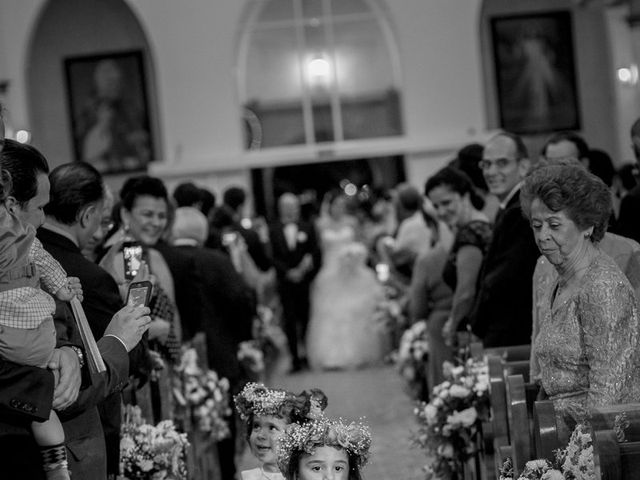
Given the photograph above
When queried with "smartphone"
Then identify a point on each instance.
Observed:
(139, 293)
(132, 254)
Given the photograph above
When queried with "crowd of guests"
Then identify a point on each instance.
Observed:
(555, 267)
(63, 233)
(498, 247)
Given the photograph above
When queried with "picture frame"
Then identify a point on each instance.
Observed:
(533, 56)
(109, 111)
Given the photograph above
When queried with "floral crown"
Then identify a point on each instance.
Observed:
(353, 437)
(256, 399)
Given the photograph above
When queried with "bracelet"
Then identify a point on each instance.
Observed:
(79, 353)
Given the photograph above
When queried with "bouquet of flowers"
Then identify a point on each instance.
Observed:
(151, 452)
(251, 356)
(269, 338)
(449, 424)
(203, 395)
(575, 462)
(411, 358)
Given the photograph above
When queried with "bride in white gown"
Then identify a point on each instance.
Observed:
(342, 332)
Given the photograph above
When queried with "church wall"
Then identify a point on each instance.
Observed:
(192, 49)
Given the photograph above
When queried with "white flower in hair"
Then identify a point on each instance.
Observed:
(355, 438)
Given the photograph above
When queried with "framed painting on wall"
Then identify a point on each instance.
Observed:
(535, 74)
(109, 111)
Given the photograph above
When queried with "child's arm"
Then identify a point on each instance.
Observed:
(53, 278)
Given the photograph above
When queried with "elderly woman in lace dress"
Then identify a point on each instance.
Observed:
(588, 337)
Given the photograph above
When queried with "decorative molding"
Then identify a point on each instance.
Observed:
(293, 155)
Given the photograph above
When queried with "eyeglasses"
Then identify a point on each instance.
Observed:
(500, 163)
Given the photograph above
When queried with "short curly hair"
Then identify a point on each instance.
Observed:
(584, 197)
(142, 185)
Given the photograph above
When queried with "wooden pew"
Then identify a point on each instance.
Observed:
(551, 436)
(502, 362)
(616, 456)
(545, 435)
(615, 460)
(497, 441)
(510, 354)
(520, 400)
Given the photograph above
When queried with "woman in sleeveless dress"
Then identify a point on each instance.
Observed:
(342, 333)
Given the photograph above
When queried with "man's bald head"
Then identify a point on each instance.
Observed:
(289, 208)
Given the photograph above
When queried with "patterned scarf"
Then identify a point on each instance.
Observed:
(162, 307)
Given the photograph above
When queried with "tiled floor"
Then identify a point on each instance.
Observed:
(376, 394)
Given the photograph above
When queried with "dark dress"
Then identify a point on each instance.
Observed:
(476, 233)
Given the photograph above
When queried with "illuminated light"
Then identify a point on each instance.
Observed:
(246, 223)
(319, 68)
(350, 189)
(382, 271)
(23, 136)
(628, 75)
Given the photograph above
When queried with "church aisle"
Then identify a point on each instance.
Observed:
(376, 394)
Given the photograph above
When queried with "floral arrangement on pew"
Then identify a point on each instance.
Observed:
(449, 424)
(390, 315)
(203, 397)
(411, 359)
(148, 451)
(575, 462)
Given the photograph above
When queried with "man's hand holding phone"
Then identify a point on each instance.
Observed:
(129, 324)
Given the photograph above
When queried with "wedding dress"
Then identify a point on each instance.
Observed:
(342, 329)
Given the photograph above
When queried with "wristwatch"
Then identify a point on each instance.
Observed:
(79, 353)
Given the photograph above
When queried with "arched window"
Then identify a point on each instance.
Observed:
(313, 71)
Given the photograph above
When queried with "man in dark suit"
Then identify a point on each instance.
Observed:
(84, 437)
(225, 309)
(502, 313)
(186, 281)
(73, 217)
(628, 223)
(296, 257)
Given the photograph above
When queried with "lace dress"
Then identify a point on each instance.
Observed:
(344, 296)
(587, 347)
(260, 474)
(476, 233)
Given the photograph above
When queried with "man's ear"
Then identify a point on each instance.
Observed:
(12, 204)
(524, 165)
(85, 215)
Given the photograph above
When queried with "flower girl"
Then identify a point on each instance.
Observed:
(267, 413)
(324, 448)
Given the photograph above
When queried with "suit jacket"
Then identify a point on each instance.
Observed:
(84, 436)
(628, 223)
(185, 280)
(101, 301)
(284, 259)
(502, 313)
(226, 308)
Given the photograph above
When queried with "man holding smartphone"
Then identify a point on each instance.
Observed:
(120, 330)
